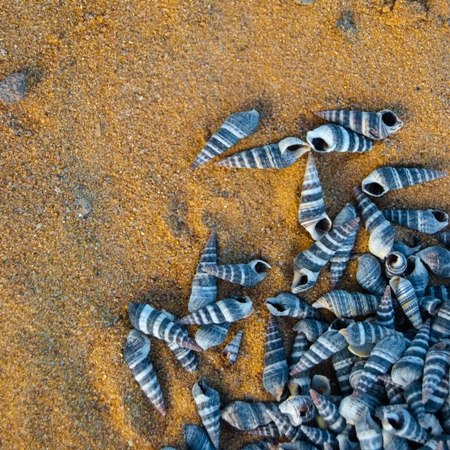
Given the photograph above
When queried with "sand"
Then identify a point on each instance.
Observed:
(98, 207)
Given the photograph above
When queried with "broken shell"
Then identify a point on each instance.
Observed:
(328, 411)
(362, 333)
(299, 409)
(385, 312)
(343, 362)
(348, 304)
(436, 367)
(334, 138)
(369, 275)
(339, 261)
(228, 310)
(231, 351)
(428, 221)
(395, 264)
(197, 438)
(387, 178)
(440, 328)
(311, 213)
(417, 275)
(237, 126)
(319, 436)
(437, 259)
(276, 370)
(207, 400)
(248, 416)
(288, 305)
(311, 328)
(135, 355)
(301, 382)
(369, 433)
(374, 125)
(308, 264)
(407, 298)
(382, 233)
(441, 292)
(208, 336)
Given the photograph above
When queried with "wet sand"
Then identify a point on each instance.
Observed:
(98, 206)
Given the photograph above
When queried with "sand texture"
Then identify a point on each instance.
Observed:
(98, 206)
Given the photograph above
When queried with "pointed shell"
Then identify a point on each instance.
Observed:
(361, 333)
(385, 312)
(343, 362)
(407, 298)
(440, 328)
(328, 411)
(417, 275)
(348, 304)
(428, 221)
(369, 274)
(289, 305)
(437, 363)
(437, 259)
(299, 409)
(248, 416)
(311, 328)
(197, 438)
(231, 351)
(369, 433)
(208, 336)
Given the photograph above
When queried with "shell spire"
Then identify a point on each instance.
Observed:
(407, 298)
(343, 362)
(329, 412)
(231, 351)
(385, 312)
(299, 409)
(237, 126)
(247, 416)
(301, 382)
(197, 438)
(428, 221)
(211, 335)
(369, 274)
(311, 212)
(395, 264)
(289, 305)
(436, 367)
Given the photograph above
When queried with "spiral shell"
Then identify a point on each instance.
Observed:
(405, 249)
(444, 237)
(270, 156)
(429, 304)
(382, 234)
(208, 336)
(442, 292)
(407, 298)
(343, 362)
(285, 427)
(369, 433)
(440, 328)
(319, 436)
(433, 444)
(369, 275)
(237, 126)
(395, 264)
(147, 319)
(249, 274)
(135, 355)
(348, 439)
(228, 310)
(354, 407)
(374, 125)
(321, 384)
(393, 391)
(207, 400)
(437, 398)
(276, 370)
(413, 396)
(362, 333)
(437, 259)
(231, 351)
(393, 442)
(288, 305)
(334, 138)
(436, 367)
(299, 409)
(248, 416)
(311, 328)
(329, 412)
(387, 178)
(339, 261)
(197, 438)
(269, 430)
(311, 212)
(417, 275)
(385, 312)
(299, 383)
(308, 264)
(428, 221)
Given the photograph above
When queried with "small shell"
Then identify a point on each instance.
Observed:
(385, 312)
(393, 391)
(369, 275)
(207, 400)
(343, 362)
(228, 310)
(369, 433)
(276, 370)
(339, 261)
(382, 233)
(231, 351)
(299, 409)
(237, 126)
(147, 319)
(429, 305)
(428, 221)
(334, 138)
(135, 355)
(409, 367)
(444, 238)
(393, 442)
(374, 125)
(348, 304)
(288, 305)
(441, 292)
(311, 328)
(417, 275)
(445, 414)
(362, 333)
(197, 438)
(356, 372)
(387, 178)
(248, 416)
(354, 407)
(270, 156)
(406, 250)
(438, 397)
(208, 336)
(269, 430)
(309, 263)
(440, 328)
(348, 440)
(437, 259)
(204, 286)
(413, 396)
(321, 384)
(311, 213)
(329, 412)
(407, 298)
(285, 428)
(319, 436)
(436, 367)
(249, 274)
(299, 383)
(395, 264)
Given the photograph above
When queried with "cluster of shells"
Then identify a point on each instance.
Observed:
(389, 345)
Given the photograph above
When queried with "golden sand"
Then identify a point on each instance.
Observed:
(130, 90)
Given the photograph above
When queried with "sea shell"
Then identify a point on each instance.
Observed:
(208, 336)
(237, 126)
(207, 400)
(369, 274)
(433, 444)
(413, 396)
(444, 237)
(393, 391)
(135, 355)
(356, 372)
(228, 310)
(429, 305)
(374, 125)
(339, 261)
(299, 409)
(395, 264)
(405, 249)
(428, 221)
(311, 212)
(362, 333)
(311, 328)
(231, 351)
(329, 412)
(440, 328)
(147, 319)
(385, 179)
(348, 304)
(437, 259)
(299, 445)
(407, 298)
(197, 438)
(369, 433)
(269, 430)
(438, 397)
(385, 312)
(321, 384)
(248, 416)
(343, 362)
(382, 233)
(334, 138)
(309, 263)
(409, 367)
(348, 439)
(436, 367)
(393, 442)
(288, 305)
(299, 383)
(417, 275)
(275, 375)
(271, 156)
(431, 425)
(442, 292)
(285, 427)
(204, 286)
(319, 436)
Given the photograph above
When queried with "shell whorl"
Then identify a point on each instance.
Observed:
(369, 274)
(395, 264)
(428, 221)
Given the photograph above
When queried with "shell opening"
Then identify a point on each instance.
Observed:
(323, 225)
(392, 259)
(294, 147)
(375, 189)
(389, 118)
(242, 300)
(440, 216)
(319, 144)
(276, 306)
(396, 422)
(260, 267)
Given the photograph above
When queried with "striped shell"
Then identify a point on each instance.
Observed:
(308, 264)
(361, 333)
(269, 430)
(395, 264)
(208, 336)
(207, 400)
(299, 409)
(437, 398)
(348, 439)
(248, 416)
(417, 275)
(270, 156)
(302, 382)
(382, 234)
(334, 138)
(387, 178)
(429, 305)
(428, 221)
(437, 259)
(197, 438)
(285, 428)
(407, 298)
(369, 274)
(444, 237)
(328, 411)
(311, 212)
(311, 328)
(442, 292)
(354, 407)
(288, 305)
(231, 351)
(319, 436)
(393, 391)
(440, 328)
(385, 312)
(237, 126)
(413, 396)
(343, 362)
(393, 442)
(374, 125)
(321, 384)
(369, 433)
(135, 355)
(436, 367)
(405, 249)
(433, 444)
